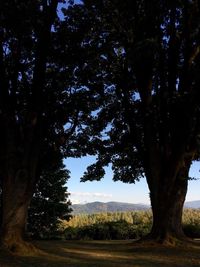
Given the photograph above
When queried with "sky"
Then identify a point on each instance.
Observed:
(106, 190)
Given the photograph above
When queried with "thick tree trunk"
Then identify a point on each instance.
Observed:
(13, 226)
(19, 160)
(167, 215)
(167, 202)
(17, 190)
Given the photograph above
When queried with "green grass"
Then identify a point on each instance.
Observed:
(104, 254)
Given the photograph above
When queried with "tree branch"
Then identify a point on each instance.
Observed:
(3, 80)
(44, 35)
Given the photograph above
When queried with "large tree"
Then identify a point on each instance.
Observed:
(143, 60)
(38, 103)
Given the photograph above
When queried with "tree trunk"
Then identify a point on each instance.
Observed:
(167, 202)
(17, 194)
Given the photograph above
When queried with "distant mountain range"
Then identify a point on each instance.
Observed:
(193, 204)
(96, 207)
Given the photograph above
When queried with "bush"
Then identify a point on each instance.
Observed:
(106, 231)
(101, 231)
(87, 232)
(71, 233)
(192, 230)
(138, 231)
(119, 230)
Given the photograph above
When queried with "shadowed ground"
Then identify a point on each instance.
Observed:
(105, 254)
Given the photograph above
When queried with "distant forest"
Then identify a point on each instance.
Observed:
(121, 225)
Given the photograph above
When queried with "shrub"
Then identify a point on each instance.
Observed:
(106, 231)
(119, 230)
(192, 230)
(71, 233)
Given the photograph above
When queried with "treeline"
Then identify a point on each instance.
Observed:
(132, 217)
(108, 225)
(121, 225)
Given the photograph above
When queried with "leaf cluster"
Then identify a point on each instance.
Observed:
(141, 64)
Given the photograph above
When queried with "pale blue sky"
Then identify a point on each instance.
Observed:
(107, 190)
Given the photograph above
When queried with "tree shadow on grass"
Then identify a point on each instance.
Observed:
(105, 254)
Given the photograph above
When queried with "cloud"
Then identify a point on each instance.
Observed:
(89, 194)
(76, 201)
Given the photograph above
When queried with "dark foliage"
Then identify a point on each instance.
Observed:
(191, 230)
(142, 59)
(119, 230)
(40, 103)
(50, 201)
(119, 79)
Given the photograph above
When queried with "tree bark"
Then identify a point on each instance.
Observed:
(18, 175)
(21, 122)
(17, 194)
(167, 202)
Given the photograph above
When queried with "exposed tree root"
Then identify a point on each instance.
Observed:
(168, 240)
(20, 247)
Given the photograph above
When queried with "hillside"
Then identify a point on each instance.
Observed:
(193, 204)
(96, 207)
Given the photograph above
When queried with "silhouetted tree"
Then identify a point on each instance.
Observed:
(50, 200)
(38, 102)
(143, 59)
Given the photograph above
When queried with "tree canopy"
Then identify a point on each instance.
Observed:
(39, 103)
(115, 79)
(143, 60)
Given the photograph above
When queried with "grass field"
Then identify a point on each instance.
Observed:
(104, 254)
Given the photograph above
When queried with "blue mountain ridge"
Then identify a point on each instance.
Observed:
(97, 207)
